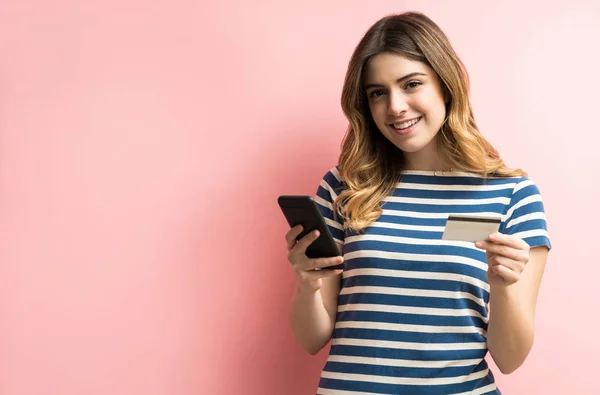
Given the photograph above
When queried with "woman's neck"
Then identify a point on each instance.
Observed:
(426, 161)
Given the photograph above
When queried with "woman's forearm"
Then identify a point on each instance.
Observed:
(311, 324)
(511, 328)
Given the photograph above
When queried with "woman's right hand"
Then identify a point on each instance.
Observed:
(309, 271)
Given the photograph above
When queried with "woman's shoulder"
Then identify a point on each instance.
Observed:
(333, 177)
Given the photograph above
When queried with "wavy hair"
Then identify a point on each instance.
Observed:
(369, 164)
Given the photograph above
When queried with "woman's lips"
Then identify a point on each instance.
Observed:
(406, 130)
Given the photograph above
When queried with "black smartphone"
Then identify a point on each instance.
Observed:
(303, 210)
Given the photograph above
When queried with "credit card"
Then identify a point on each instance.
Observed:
(470, 227)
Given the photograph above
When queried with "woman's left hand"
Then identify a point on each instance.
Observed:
(507, 256)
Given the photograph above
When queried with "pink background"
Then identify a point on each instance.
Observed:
(142, 148)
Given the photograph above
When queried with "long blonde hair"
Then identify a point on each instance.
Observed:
(369, 164)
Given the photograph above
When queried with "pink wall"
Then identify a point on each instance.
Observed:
(142, 148)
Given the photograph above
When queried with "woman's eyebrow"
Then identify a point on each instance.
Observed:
(399, 80)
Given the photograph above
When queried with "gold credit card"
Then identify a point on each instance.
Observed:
(471, 228)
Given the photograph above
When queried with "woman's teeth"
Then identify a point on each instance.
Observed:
(405, 125)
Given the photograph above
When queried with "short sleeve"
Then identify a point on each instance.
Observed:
(526, 217)
(329, 189)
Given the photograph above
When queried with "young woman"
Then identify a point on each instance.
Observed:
(411, 313)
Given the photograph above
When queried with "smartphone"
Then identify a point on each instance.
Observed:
(303, 210)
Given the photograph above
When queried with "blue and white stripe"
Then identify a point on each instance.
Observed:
(412, 315)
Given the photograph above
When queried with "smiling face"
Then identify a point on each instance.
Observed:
(406, 100)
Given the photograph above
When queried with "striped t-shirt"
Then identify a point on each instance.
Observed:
(412, 315)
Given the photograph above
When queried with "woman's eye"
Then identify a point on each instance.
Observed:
(413, 84)
(376, 94)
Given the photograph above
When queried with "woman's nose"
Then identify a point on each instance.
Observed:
(397, 104)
